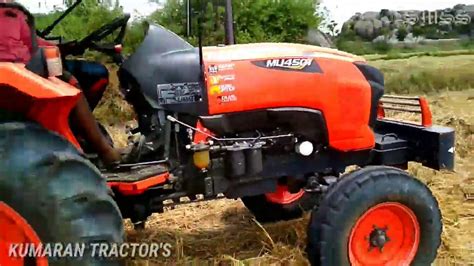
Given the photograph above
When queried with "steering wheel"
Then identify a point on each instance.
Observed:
(93, 40)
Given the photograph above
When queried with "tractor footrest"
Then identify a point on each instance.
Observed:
(136, 175)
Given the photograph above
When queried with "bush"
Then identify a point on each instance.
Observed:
(402, 33)
(382, 47)
(360, 47)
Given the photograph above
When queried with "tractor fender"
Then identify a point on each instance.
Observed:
(45, 101)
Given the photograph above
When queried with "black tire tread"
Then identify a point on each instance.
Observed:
(61, 194)
(325, 220)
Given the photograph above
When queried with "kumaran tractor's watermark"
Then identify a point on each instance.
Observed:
(435, 17)
(94, 250)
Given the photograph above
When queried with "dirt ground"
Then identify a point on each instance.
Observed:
(223, 232)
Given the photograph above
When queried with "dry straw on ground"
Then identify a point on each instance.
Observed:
(223, 231)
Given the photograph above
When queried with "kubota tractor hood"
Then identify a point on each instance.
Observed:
(169, 72)
(255, 51)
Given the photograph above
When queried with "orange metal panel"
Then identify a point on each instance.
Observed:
(51, 99)
(137, 188)
(339, 91)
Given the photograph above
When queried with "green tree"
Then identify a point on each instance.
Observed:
(87, 17)
(255, 20)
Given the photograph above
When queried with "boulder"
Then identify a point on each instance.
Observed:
(317, 37)
(385, 22)
(459, 6)
(370, 15)
(348, 25)
(365, 29)
(378, 25)
(411, 39)
(396, 15)
(380, 38)
(384, 13)
(356, 17)
(397, 24)
(390, 14)
(370, 25)
(469, 9)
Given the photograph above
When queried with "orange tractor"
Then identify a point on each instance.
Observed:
(275, 125)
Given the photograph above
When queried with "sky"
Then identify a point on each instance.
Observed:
(134, 7)
(340, 10)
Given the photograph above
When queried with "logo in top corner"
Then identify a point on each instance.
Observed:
(290, 64)
(214, 69)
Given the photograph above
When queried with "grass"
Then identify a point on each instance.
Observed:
(427, 74)
(405, 55)
(383, 49)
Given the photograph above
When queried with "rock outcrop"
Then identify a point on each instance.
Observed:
(317, 37)
(387, 24)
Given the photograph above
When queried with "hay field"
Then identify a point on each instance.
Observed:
(223, 232)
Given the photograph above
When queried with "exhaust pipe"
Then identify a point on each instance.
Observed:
(229, 23)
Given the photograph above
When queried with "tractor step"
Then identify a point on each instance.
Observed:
(137, 180)
(136, 174)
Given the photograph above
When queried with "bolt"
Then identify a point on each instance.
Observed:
(378, 238)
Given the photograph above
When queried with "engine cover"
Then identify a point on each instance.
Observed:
(258, 77)
(249, 77)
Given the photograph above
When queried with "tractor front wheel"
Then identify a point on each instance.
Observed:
(50, 194)
(375, 216)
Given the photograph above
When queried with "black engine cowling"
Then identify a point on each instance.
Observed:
(166, 70)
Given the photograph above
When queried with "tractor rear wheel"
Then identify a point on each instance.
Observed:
(50, 194)
(375, 216)
(280, 205)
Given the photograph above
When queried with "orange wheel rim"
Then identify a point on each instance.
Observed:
(283, 196)
(16, 230)
(388, 234)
